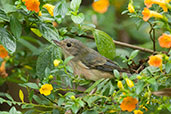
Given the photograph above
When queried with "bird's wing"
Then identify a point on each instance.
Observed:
(96, 61)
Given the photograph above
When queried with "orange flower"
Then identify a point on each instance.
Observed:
(129, 104)
(148, 3)
(100, 6)
(3, 73)
(32, 5)
(165, 40)
(3, 52)
(50, 8)
(155, 60)
(147, 14)
(162, 3)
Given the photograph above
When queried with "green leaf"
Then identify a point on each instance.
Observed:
(9, 97)
(90, 112)
(55, 111)
(27, 106)
(75, 4)
(116, 74)
(30, 46)
(21, 95)
(81, 103)
(61, 101)
(139, 87)
(46, 59)
(168, 67)
(94, 85)
(133, 54)
(7, 40)
(68, 59)
(75, 107)
(104, 44)
(49, 33)
(14, 111)
(29, 111)
(3, 16)
(15, 27)
(78, 19)
(90, 100)
(37, 99)
(169, 107)
(31, 95)
(101, 85)
(125, 11)
(60, 9)
(31, 85)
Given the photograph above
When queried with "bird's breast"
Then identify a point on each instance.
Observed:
(91, 74)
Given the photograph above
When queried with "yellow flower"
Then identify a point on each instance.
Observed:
(155, 60)
(112, 111)
(100, 6)
(50, 8)
(40, 13)
(32, 5)
(162, 3)
(129, 83)
(56, 62)
(131, 8)
(138, 112)
(46, 89)
(129, 104)
(3, 52)
(165, 40)
(143, 107)
(120, 85)
(147, 14)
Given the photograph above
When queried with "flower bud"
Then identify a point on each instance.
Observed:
(56, 62)
(129, 83)
(50, 77)
(139, 77)
(40, 13)
(120, 85)
(72, 97)
(131, 8)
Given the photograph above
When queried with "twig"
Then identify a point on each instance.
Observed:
(152, 37)
(126, 45)
(50, 100)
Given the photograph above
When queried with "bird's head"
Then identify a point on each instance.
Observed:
(71, 47)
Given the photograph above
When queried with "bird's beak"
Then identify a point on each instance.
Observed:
(57, 42)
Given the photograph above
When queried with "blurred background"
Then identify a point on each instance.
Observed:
(119, 27)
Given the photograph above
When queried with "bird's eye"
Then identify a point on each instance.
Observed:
(68, 44)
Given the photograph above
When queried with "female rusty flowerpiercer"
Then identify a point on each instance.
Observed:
(87, 62)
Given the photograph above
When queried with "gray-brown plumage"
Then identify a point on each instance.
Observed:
(87, 62)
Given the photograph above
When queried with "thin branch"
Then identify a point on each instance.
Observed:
(126, 45)
(50, 100)
(152, 35)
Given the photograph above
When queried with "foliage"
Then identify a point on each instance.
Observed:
(34, 61)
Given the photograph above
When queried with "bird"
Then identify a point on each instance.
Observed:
(87, 62)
